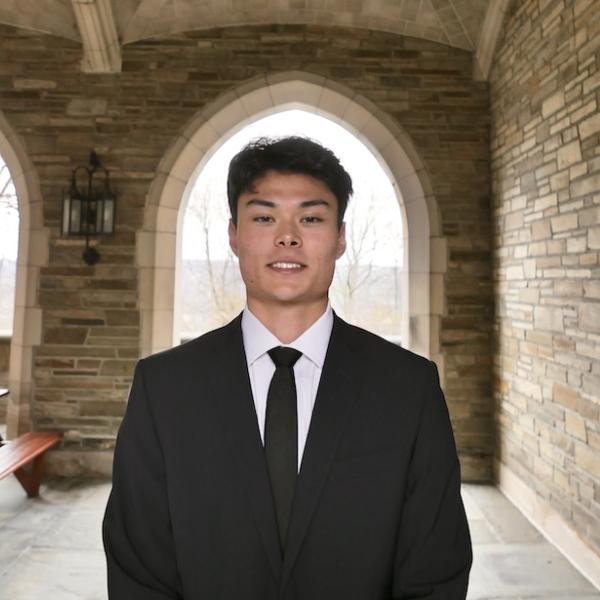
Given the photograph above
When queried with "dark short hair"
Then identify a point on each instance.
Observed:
(292, 154)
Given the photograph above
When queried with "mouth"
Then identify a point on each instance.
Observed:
(281, 266)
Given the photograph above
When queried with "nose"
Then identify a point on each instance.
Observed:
(288, 238)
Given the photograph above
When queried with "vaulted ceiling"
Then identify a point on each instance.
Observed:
(458, 23)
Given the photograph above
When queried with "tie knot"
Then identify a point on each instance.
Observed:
(284, 357)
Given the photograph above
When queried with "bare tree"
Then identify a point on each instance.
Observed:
(216, 277)
(357, 271)
(9, 210)
(9, 223)
(8, 198)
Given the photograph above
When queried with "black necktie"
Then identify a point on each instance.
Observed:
(281, 434)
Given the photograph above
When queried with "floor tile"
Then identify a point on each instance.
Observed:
(43, 573)
(505, 520)
(525, 570)
(51, 547)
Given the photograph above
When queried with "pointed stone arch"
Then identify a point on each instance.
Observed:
(158, 245)
(32, 255)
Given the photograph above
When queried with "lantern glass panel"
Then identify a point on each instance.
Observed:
(99, 216)
(75, 221)
(91, 210)
(108, 224)
(66, 213)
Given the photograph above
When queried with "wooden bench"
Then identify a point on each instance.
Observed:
(15, 454)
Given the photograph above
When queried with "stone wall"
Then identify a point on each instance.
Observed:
(90, 314)
(545, 93)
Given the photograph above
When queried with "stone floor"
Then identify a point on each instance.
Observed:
(50, 547)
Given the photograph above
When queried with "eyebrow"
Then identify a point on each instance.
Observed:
(270, 204)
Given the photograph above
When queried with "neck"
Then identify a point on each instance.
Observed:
(287, 323)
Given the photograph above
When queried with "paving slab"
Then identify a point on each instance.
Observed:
(511, 558)
(51, 546)
(43, 573)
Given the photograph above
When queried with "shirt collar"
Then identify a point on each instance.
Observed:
(312, 343)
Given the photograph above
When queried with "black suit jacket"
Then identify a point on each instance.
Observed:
(377, 512)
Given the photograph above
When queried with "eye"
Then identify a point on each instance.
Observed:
(263, 219)
(312, 219)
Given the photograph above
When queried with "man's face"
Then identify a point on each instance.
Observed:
(287, 240)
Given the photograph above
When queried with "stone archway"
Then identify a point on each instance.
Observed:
(32, 254)
(158, 246)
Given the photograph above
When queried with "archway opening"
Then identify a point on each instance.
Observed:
(368, 287)
(159, 242)
(9, 244)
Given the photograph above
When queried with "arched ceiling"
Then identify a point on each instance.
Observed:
(49, 16)
(458, 23)
(453, 22)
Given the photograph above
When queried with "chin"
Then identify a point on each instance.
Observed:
(288, 299)
(285, 298)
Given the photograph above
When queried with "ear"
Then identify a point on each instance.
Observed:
(341, 244)
(232, 231)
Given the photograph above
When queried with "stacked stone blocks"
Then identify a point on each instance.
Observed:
(545, 93)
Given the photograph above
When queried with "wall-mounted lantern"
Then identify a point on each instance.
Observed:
(89, 206)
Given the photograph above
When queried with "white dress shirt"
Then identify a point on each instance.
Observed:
(258, 340)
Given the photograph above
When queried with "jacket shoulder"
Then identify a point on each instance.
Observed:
(376, 348)
(193, 350)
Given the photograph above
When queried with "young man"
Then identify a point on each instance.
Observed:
(287, 455)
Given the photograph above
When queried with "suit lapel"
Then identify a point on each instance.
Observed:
(334, 397)
(238, 416)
